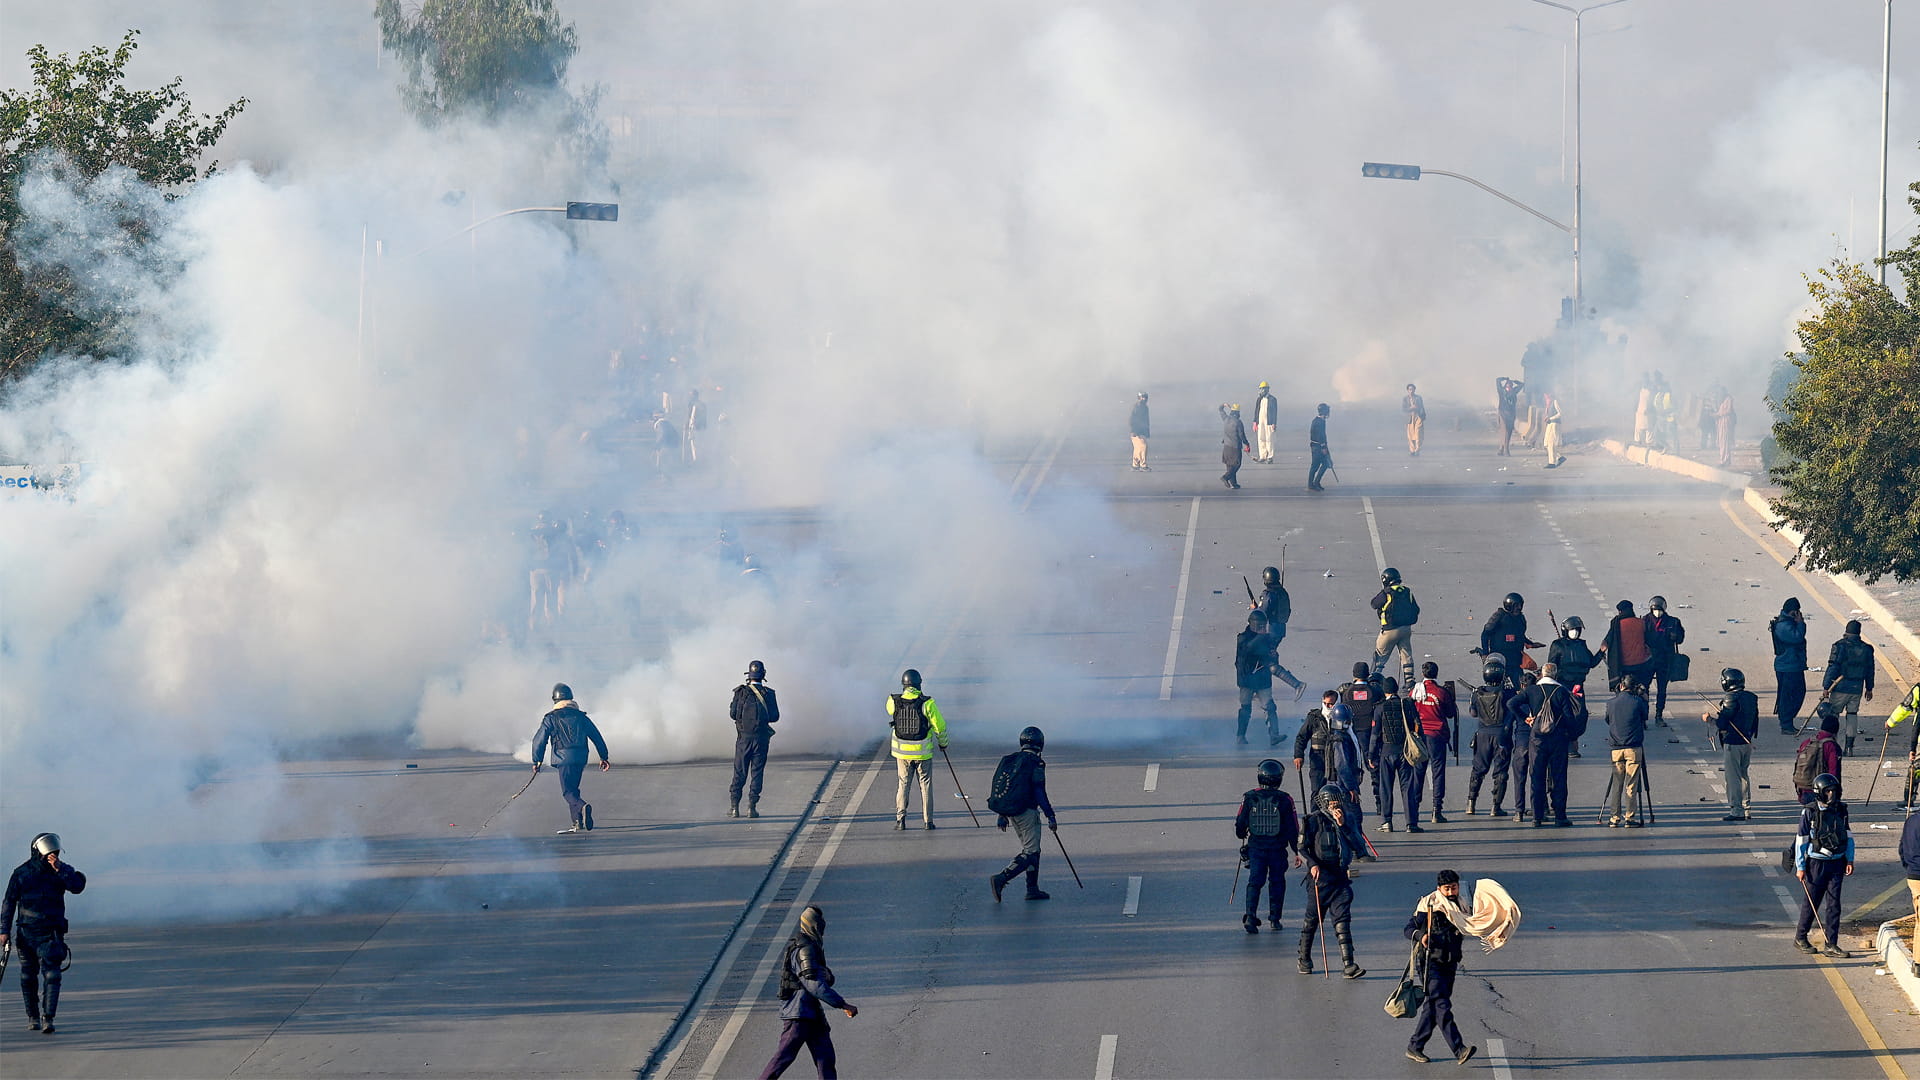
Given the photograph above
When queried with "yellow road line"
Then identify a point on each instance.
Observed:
(1898, 886)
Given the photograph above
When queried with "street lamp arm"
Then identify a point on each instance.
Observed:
(485, 220)
(1498, 195)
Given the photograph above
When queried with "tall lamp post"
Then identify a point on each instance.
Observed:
(1886, 79)
(1579, 296)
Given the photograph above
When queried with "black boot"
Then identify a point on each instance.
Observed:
(753, 808)
(734, 809)
(1033, 879)
(1251, 922)
(49, 1004)
(1344, 932)
(1849, 750)
(1000, 880)
(1306, 952)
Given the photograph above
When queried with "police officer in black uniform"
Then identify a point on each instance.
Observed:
(1506, 632)
(35, 912)
(1492, 735)
(755, 710)
(1277, 606)
(1520, 761)
(1315, 749)
(1665, 634)
(1253, 666)
(1395, 724)
(1269, 827)
(1574, 658)
(569, 730)
(1328, 854)
(1362, 695)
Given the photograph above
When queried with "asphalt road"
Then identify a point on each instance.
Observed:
(1658, 952)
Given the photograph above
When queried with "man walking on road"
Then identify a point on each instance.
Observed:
(1019, 796)
(1415, 407)
(1822, 860)
(1269, 827)
(1737, 722)
(1362, 695)
(1266, 411)
(1439, 727)
(1253, 664)
(1507, 395)
(1439, 940)
(1626, 739)
(1625, 647)
(35, 912)
(570, 731)
(1317, 444)
(916, 726)
(1328, 854)
(755, 710)
(1789, 633)
(1665, 634)
(1399, 612)
(805, 983)
(1849, 674)
(1233, 444)
(1492, 735)
(1140, 429)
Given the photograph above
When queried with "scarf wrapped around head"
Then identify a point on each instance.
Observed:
(1493, 920)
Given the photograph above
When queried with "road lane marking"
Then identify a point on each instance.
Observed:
(1103, 1067)
(1497, 1057)
(1044, 470)
(1787, 901)
(1153, 777)
(1373, 530)
(1180, 603)
(1898, 886)
(1860, 1022)
(1133, 898)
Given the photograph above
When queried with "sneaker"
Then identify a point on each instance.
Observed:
(1834, 951)
(1036, 894)
(1240, 740)
(1385, 826)
(996, 883)
(1575, 752)
(34, 1022)
(899, 824)
(1613, 823)
(1251, 923)
(565, 831)
(1804, 946)
(1146, 468)
(1415, 1055)
(734, 810)
(48, 1030)
(1562, 823)
(1734, 817)
(586, 817)
(1465, 1055)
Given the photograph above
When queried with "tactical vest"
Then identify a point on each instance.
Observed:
(1362, 700)
(1265, 819)
(1576, 660)
(1488, 707)
(1856, 660)
(1322, 732)
(1326, 840)
(1827, 831)
(910, 717)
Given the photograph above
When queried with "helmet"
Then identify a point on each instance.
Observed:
(1826, 788)
(562, 692)
(1327, 797)
(1269, 773)
(1257, 619)
(1574, 622)
(1658, 603)
(1235, 407)
(726, 534)
(1322, 409)
(1340, 717)
(910, 678)
(751, 562)
(46, 844)
(1033, 737)
(756, 670)
(1513, 602)
(1494, 671)
(1263, 384)
(1732, 679)
(1389, 576)
(1270, 576)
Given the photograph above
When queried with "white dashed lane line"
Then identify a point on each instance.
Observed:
(1132, 907)
(1103, 1065)
(1153, 777)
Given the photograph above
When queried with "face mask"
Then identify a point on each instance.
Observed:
(1575, 633)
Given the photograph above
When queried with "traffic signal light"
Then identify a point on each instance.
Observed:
(593, 211)
(1390, 172)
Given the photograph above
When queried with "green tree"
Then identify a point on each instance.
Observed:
(79, 120)
(1850, 424)
(480, 58)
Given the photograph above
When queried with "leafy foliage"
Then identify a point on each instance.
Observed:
(483, 58)
(80, 122)
(1850, 424)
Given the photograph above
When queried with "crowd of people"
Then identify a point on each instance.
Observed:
(1657, 415)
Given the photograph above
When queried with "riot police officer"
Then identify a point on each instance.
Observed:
(1277, 606)
(1492, 735)
(1328, 854)
(1574, 658)
(1737, 724)
(1269, 827)
(1505, 633)
(35, 911)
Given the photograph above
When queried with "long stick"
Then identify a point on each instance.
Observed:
(958, 788)
(1878, 763)
(525, 786)
(1234, 889)
(1069, 858)
(1283, 566)
(1320, 921)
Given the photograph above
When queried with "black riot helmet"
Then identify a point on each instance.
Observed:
(756, 670)
(910, 679)
(1327, 797)
(1826, 789)
(1658, 605)
(1512, 603)
(1257, 621)
(1574, 622)
(562, 692)
(1389, 576)
(1732, 679)
(1270, 577)
(1494, 671)
(46, 844)
(1032, 738)
(1269, 773)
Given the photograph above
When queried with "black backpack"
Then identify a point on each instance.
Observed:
(1012, 789)
(1266, 813)
(910, 717)
(1858, 661)
(1489, 706)
(789, 982)
(1827, 831)
(1806, 764)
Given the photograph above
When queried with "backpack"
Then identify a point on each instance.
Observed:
(789, 982)
(1012, 789)
(910, 717)
(1265, 814)
(1401, 609)
(1858, 661)
(1827, 830)
(1546, 721)
(1806, 763)
(1487, 706)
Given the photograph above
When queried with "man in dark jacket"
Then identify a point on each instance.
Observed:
(1626, 738)
(1505, 633)
(1140, 431)
(1028, 801)
(1665, 634)
(1317, 445)
(1233, 444)
(1552, 710)
(1268, 827)
(35, 913)
(1277, 606)
(1492, 735)
(1521, 758)
(570, 731)
(1849, 675)
(1625, 647)
(1571, 655)
(1736, 724)
(1789, 633)
(1394, 726)
(1328, 853)
(1440, 941)
(1362, 695)
(1253, 664)
(805, 983)
(755, 710)
(1439, 730)
(1910, 862)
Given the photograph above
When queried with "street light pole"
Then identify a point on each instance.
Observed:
(1579, 295)
(1886, 78)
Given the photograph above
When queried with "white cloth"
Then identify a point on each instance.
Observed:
(1494, 919)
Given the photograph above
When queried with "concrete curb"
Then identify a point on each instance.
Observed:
(1673, 463)
(1898, 961)
(1847, 582)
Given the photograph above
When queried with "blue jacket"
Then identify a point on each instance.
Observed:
(1910, 847)
(808, 960)
(1789, 644)
(569, 730)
